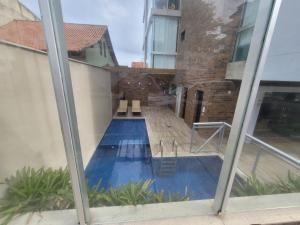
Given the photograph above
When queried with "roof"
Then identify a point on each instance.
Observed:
(31, 34)
(137, 65)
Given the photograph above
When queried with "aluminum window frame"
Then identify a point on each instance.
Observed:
(260, 42)
(259, 48)
(53, 25)
(240, 30)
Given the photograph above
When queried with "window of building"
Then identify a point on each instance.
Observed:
(172, 89)
(100, 46)
(104, 49)
(173, 4)
(164, 61)
(245, 31)
(161, 4)
(182, 36)
(167, 4)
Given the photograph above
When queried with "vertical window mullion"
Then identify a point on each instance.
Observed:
(51, 15)
(261, 39)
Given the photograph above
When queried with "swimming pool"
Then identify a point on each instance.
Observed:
(124, 155)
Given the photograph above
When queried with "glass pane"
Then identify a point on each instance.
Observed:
(269, 163)
(152, 135)
(148, 137)
(244, 37)
(243, 44)
(250, 13)
(165, 34)
(149, 57)
(173, 4)
(164, 61)
(161, 4)
(34, 175)
(263, 168)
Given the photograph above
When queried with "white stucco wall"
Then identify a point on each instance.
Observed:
(12, 9)
(30, 132)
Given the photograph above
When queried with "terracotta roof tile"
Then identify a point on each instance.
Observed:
(30, 34)
(137, 65)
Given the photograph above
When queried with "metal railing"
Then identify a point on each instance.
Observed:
(221, 126)
(174, 147)
(263, 146)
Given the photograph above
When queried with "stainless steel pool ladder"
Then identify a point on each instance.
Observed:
(168, 164)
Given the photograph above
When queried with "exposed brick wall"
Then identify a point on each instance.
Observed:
(148, 87)
(219, 100)
(210, 33)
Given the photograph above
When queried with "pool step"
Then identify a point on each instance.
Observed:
(167, 166)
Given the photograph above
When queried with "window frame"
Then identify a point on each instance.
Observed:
(52, 20)
(240, 30)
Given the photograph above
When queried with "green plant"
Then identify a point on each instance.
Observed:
(36, 190)
(31, 190)
(252, 186)
(292, 184)
(131, 194)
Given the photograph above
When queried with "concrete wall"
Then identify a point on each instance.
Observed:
(94, 57)
(30, 132)
(12, 9)
(210, 32)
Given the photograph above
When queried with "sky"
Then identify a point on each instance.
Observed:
(124, 19)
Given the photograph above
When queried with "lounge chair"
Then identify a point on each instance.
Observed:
(136, 107)
(123, 107)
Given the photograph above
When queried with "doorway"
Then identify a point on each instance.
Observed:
(199, 98)
(183, 102)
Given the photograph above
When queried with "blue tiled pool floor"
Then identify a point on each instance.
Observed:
(124, 155)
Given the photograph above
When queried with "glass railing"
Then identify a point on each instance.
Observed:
(262, 170)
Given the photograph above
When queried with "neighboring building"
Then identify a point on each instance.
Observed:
(207, 35)
(88, 43)
(213, 45)
(138, 65)
(279, 89)
(13, 9)
(161, 19)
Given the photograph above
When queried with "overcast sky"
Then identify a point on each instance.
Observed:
(123, 17)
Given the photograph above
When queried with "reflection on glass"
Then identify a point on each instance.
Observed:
(269, 163)
(147, 135)
(33, 167)
(145, 143)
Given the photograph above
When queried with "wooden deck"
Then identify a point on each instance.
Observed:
(163, 125)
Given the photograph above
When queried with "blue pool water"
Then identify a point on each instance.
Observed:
(124, 155)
